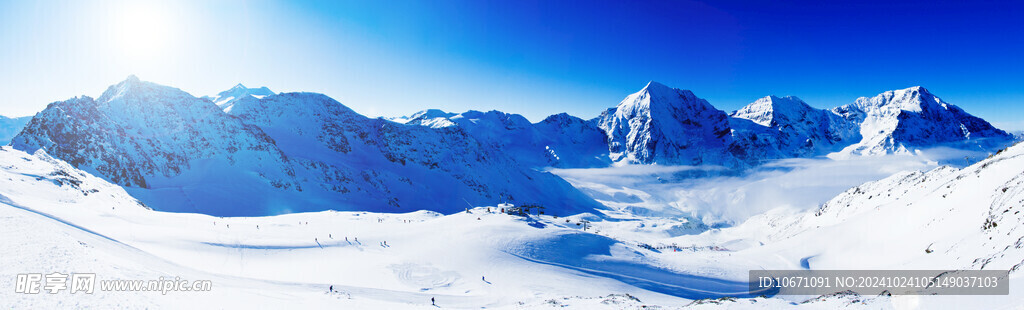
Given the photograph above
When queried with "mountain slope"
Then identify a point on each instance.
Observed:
(226, 99)
(180, 153)
(946, 218)
(430, 118)
(573, 142)
(369, 162)
(774, 127)
(905, 120)
(166, 147)
(10, 127)
(664, 125)
(559, 140)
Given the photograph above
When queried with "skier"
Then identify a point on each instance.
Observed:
(432, 301)
(329, 236)
(332, 288)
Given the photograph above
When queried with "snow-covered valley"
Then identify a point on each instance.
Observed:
(77, 222)
(295, 200)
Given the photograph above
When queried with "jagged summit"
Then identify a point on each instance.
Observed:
(659, 124)
(226, 99)
(142, 135)
(301, 103)
(912, 99)
(122, 88)
(136, 96)
(656, 95)
(654, 86)
(10, 126)
(765, 111)
(903, 120)
(783, 127)
(435, 118)
(431, 113)
(560, 118)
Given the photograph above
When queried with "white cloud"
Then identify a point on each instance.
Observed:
(717, 196)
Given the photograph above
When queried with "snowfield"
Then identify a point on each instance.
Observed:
(294, 200)
(481, 259)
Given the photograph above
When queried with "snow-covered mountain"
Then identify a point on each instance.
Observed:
(226, 99)
(174, 151)
(283, 153)
(658, 124)
(430, 118)
(573, 142)
(364, 160)
(945, 218)
(664, 125)
(786, 127)
(1018, 135)
(560, 140)
(10, 127)
(901, 121)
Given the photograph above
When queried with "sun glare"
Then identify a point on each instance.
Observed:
(143, 32)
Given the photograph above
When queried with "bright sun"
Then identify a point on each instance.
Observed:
(143, 32)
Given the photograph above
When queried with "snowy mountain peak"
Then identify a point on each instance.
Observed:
(309, 104)
(137, 96)
(666, 125)
(11, 126)
(655, 94)
(429, 114)
(434, 118)
(907, 119)
(143, 135)
(654, 86)
(560, 118)
(121, 88)
(240, 90)
(911, 99)
(783, 127)
(226, 99)
(766, 110)
(132, 78)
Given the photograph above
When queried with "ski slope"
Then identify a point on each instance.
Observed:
(80, 223)
(55, 218)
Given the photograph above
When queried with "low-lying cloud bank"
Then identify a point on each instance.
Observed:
(718, 196)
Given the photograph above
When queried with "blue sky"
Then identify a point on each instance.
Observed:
(530, 57)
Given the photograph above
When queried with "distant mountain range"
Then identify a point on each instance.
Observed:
(250, 151)
(663, 125)
(10, 127)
